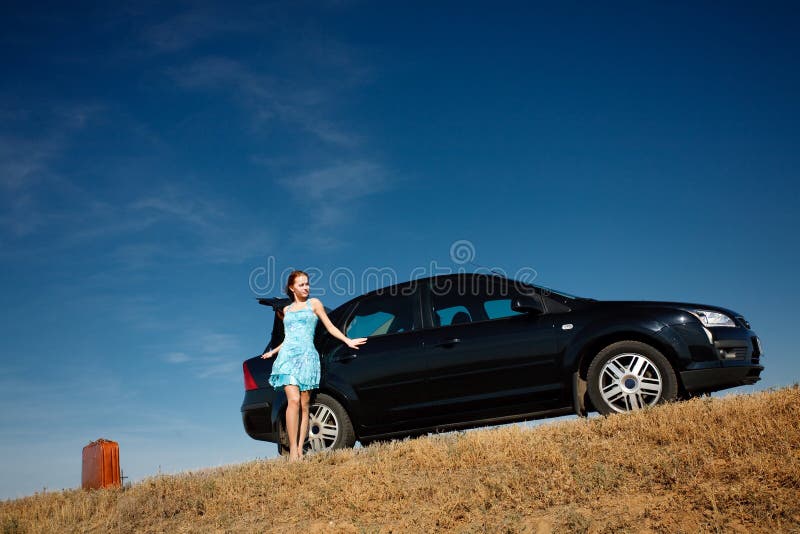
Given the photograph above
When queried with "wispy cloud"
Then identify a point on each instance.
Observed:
(203, 229)
(200, 23)
(268, 98)
(222, 233)
(209, 355)
(27, 158)
(25, 161)
(217, 344)
(330, 194)
(340, 182)
(172, 203)
(303, 102)
(62, 402)
(21, 216)
(70, 405)
(228, 369)
(305, 105)
(176, 357)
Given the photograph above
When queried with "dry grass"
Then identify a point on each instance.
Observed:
(708, 465)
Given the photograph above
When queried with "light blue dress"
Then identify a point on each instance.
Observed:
(297, 363)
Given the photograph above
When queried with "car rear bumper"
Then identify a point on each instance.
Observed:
(257, 421)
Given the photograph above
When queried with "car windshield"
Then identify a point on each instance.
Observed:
(561, 293)
(551, 291)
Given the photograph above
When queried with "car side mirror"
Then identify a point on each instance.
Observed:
(527, 304)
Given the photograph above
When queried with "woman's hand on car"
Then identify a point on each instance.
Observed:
(354, 343)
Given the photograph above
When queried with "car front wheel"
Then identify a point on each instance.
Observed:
(630, 375)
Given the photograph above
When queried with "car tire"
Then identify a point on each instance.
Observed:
(283, 439)
(329, 427)
(630, 375)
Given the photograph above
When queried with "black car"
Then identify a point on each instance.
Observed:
(468, 350)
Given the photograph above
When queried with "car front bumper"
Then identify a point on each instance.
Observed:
(720, 376)
(733, 359)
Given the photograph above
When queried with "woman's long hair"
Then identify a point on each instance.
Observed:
(290, 282)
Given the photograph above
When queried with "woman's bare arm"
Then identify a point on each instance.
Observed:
(271, 353)
(319, 309)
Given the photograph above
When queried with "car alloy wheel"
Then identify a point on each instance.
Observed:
(323, 428)
(630, 381)
(329, 426)
(630, 375)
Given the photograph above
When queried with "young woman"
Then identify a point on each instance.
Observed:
(296, 369)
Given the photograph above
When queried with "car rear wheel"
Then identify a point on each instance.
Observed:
(329, 427)
(630, 375)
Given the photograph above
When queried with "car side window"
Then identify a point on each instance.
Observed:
(472, 299)
(499, 308)
(382, 314)
(453, 315)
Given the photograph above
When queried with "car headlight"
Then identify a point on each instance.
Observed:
(711, 318)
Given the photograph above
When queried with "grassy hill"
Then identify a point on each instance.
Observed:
(707, 465)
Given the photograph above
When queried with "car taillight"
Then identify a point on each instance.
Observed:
(249, 382)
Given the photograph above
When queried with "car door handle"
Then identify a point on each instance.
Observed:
(345, 357)
(448, 342)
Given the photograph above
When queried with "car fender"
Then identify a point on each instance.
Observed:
(640, 327)
(598, 334)
(345, 394)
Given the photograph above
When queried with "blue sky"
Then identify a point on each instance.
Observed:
(160, 166)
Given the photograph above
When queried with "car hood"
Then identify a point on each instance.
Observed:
(662, 304)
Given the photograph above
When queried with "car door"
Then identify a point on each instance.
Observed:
(484, 359)
(386, 375)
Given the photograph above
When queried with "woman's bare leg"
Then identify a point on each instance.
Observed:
(305, 398)
(292, 415)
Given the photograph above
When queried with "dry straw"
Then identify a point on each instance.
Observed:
(707, 465)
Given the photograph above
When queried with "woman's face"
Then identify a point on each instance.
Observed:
(300, 287)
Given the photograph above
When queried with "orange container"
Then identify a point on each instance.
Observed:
(101, 465)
